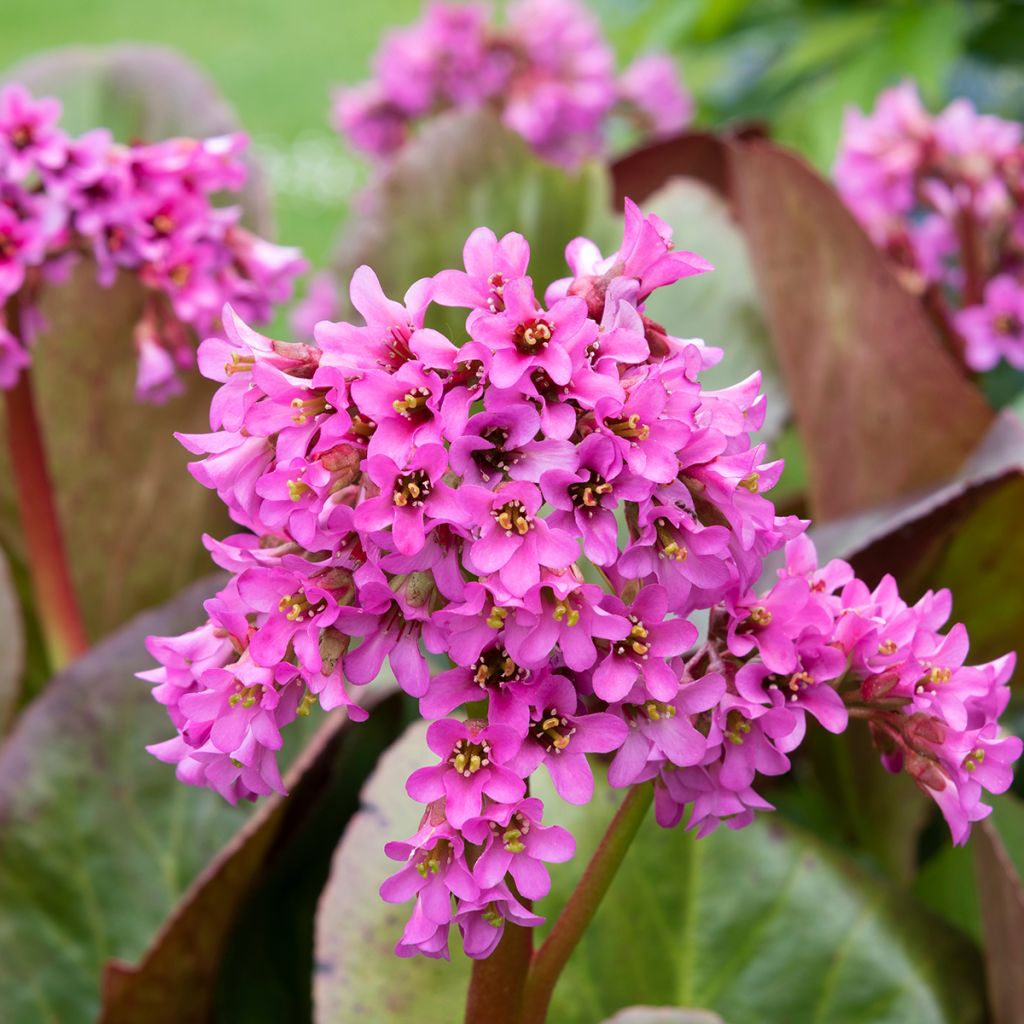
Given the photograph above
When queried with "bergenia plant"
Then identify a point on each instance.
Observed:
(552, 505)
(547, 72)
(144, 209)
(943, 196)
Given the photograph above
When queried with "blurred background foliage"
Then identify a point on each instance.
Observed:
(794, 63)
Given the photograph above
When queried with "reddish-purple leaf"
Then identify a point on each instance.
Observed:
(882, 406)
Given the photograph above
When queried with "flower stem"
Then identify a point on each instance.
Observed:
(496, 985)
(56, 605)
(553, 955)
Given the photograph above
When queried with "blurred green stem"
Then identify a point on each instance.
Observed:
(579, 911)
(56, 604)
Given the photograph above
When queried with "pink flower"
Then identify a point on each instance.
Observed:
(560, 737)
(513, 541)
(515, 843)
(474, 758)
(995, 330)
(650, 87)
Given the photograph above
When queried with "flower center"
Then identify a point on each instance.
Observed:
(414, 404)
(513, 833)
(553, 732)
(1006, 323)
(21, 136)
(512, 517)
(736, 727)
(162, 224)
(629, 427)
(412, 489)
(496, 292)
(306, 407)
(587, 494)
(760, 616)
(469, 757)
(246, 696)
(298, 606)
(495, 669)
(493, 461)
(634, 644)
(532, 335)
(973, 759)
(657, 710)
(430, 862)
(669, 542)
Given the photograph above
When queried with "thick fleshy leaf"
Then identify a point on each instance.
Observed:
(640, 174)
(462, 172)
(12, 645)
(760, 926)
(998, 860)
(722, 307)
(131, 515)
(98, 840)
(176, 978)
(882, 407)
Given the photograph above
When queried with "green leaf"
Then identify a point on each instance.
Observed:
(273, 935)
(882, 407)
(761, 925)
(462, 172)
(847, 59)
(99, 839)
(722, 307)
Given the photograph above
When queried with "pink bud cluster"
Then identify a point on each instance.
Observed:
(547, 72)
(142, 209)
(527, 518)
(943, 196)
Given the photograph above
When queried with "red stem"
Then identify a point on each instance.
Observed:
(56, 604)
(496, 985)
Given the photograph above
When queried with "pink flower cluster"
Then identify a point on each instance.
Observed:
(143, 209)
(548, 73)
(943, 196)
(548, 510)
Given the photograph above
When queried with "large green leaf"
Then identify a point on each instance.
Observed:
(882, 407)
(176, 978)
(462, 172)
(760, 925)
(131, 515)
(98, 840)
(722, 307)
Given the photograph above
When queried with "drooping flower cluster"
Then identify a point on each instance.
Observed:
(943, 196)
(550, 508)
(548, 72)
(145, 209)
